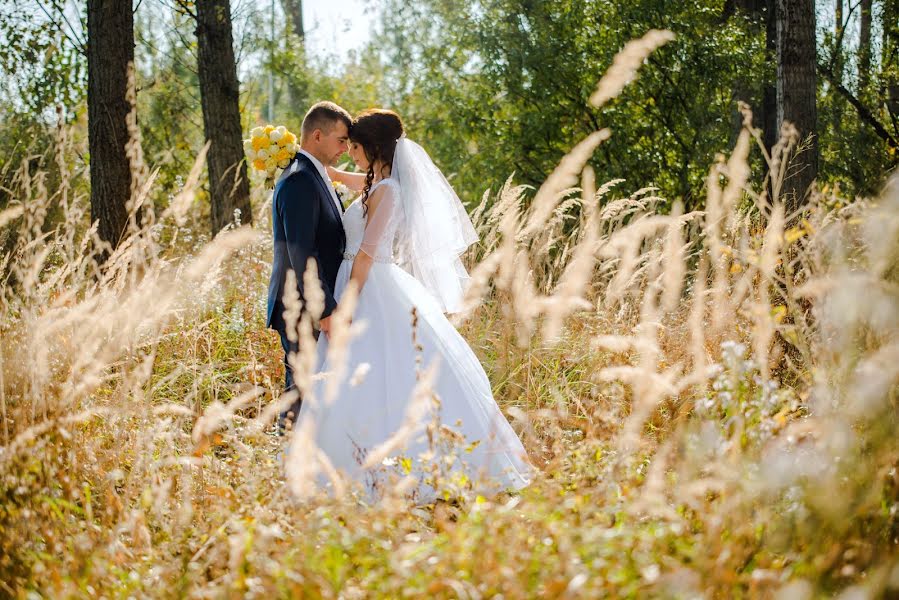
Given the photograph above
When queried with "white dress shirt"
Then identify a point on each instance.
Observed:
(324, 173)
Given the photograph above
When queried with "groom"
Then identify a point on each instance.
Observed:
(307, 225)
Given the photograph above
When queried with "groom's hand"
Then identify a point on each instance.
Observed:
(325, 326)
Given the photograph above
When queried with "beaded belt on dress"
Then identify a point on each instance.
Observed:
(348, 256)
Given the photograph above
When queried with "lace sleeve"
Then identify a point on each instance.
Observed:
(383, 217)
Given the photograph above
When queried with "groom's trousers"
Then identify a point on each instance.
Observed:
(290, 415)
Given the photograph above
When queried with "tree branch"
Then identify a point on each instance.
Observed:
(73, 39)
(866, 115)
(184, 7)
(838, 43)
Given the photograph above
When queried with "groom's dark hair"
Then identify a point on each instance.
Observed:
(324, 115)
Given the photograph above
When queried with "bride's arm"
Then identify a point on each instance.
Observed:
(361, 266)
(354, 181)
(378, 218)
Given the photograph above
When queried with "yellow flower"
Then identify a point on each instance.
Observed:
(282, 155)
(287, 138)
(779, 312)
(793, 233)
(268, 129)
(260, 143)
(259, 165)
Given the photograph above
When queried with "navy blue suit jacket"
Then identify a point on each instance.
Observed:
(306, 224)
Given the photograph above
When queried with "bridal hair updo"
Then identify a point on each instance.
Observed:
(377, 131)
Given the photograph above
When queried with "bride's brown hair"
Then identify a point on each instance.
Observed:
(377, 131)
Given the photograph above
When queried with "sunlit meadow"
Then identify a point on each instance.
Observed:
(709, 397)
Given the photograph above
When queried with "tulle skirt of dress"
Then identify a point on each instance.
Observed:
(363, 415)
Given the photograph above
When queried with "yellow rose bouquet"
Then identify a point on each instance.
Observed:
(269, 149)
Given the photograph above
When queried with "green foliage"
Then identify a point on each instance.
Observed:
(41, 67)
(503, 86)
(497, 86)
(490, 87)
(168, 101)
(44, 84)
(853, 154)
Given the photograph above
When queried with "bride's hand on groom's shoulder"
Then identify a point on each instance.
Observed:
(354, 181)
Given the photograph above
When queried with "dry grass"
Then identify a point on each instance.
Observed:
(710, 398)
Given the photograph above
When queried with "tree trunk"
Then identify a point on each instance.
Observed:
(294, 11)
(769, 94)
(864, 46)
(110, 54)
(838, 40)
(797, 93)
(219, 96)
(297, 87)
(890, 55)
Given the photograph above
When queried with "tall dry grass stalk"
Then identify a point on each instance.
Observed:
(710, 396)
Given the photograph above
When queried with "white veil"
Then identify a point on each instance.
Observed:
(437, 228)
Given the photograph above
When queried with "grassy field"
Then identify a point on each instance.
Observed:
(710, 399)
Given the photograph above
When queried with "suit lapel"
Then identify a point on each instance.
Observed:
(323, 185)
(329, 200)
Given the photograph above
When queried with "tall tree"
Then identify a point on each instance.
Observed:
(294, 11)
(890, 58)
(219, 96)
(110, 56)
(797, 92)
(769, 98)
(296, 77)
(839, 31)
(864, 45)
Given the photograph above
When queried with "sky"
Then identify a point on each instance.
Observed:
(335, 27)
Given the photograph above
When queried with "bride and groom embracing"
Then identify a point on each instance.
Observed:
(400, 245)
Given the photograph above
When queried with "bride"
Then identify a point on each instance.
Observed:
(407, 215)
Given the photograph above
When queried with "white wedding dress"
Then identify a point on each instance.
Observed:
(361, 416)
